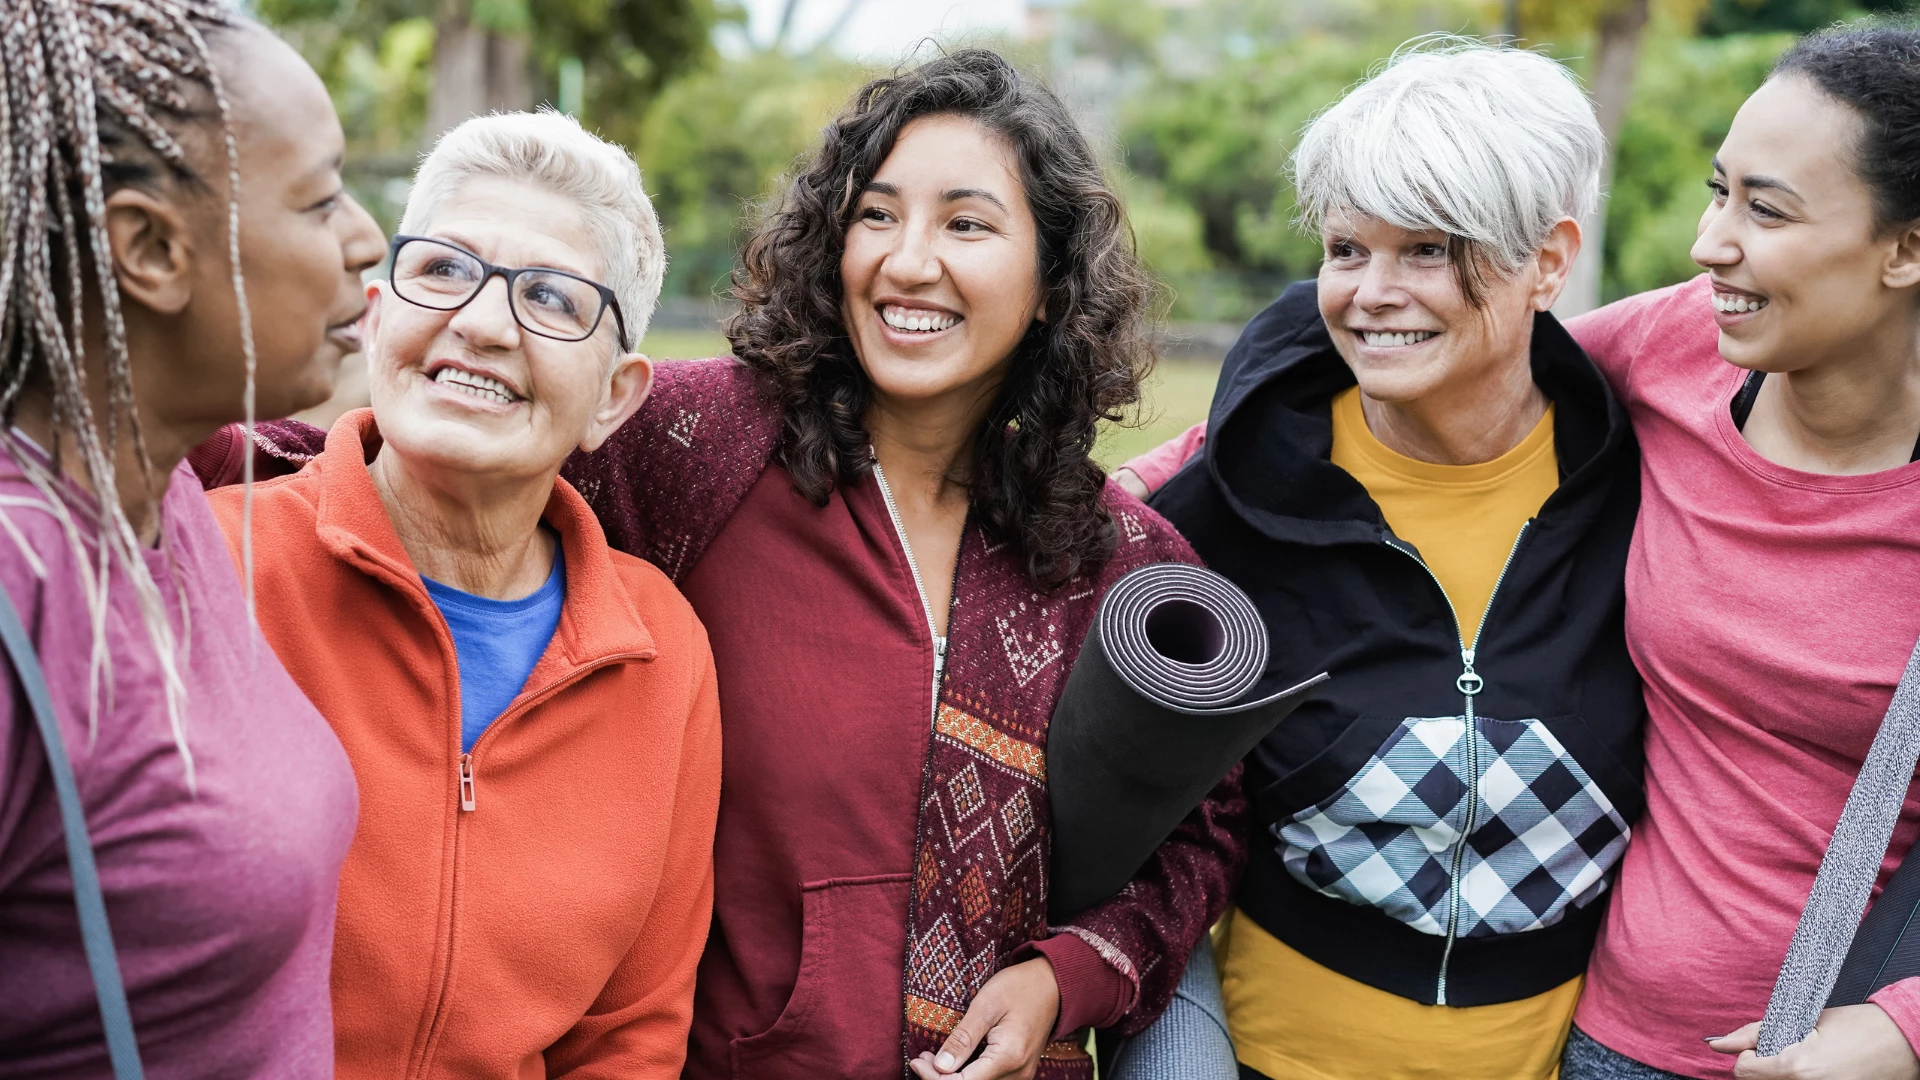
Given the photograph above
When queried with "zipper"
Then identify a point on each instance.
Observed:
(1469, 682)
(939, 673)
(919, 585)
(465, 773)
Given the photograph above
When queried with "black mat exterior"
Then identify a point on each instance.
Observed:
(1159, 706)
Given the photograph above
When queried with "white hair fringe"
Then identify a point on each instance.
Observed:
(553, 151)
(1486, 142)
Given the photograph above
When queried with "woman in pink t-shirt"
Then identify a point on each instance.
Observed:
(1771, 583)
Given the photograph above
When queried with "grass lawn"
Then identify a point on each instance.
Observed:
(1176, 395)
(684, 344)
(1175, 398)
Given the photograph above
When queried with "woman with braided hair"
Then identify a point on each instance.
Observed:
(147, 297)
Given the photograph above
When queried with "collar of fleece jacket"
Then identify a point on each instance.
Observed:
(979, 894)
(663, 487)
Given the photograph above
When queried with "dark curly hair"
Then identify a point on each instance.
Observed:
(1033, 484)
(1875, 69)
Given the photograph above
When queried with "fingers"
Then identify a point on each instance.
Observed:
(1751, 1066)
(1743, 1039)
(967, 1035)
(1000, 1061)
(922, 1067)
(1131, 483)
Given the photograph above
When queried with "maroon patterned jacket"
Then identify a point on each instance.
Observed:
(665, 484)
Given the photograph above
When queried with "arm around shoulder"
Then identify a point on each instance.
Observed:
(1619, 334)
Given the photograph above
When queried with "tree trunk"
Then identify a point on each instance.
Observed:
(475, 70)
(1616, 58)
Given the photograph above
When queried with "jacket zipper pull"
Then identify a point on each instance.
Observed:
(1469, 683)
(466, 781)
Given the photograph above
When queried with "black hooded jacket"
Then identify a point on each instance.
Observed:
(1443, 819)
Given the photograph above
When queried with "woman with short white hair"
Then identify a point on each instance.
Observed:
(532, 716)
(1428, 490)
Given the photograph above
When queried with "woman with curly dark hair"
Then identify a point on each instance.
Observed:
(886, 515)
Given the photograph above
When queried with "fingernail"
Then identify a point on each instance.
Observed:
(944, 1062)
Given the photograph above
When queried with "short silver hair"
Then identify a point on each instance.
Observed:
(1490, 144)
(553, 151)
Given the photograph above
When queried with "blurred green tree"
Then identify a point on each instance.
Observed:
(716, 141)
(1725, 17)
(1684, 100)
(403, 70)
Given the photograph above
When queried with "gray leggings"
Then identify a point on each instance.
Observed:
(1189, 1041)
(1588, 1060)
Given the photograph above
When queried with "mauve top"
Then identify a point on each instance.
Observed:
(221, 898)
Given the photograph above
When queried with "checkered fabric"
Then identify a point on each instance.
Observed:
(1396, 837)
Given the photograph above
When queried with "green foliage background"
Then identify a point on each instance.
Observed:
(1198, 104)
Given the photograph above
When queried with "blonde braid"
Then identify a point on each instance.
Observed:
(88, 89)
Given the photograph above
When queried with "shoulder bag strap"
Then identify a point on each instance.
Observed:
(1844, 883)
(95, 934)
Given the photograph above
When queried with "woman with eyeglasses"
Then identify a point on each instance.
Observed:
(886, 513)
(532, 716)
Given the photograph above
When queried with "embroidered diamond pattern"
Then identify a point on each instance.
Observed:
(681, 430)
(926, 876)
(1018, 814)
(974, 903)
(965, 789)
(937, 957)
(1544, 841)
(1014, 911)
(1030, 652)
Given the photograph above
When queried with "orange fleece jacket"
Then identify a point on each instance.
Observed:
(553, 925)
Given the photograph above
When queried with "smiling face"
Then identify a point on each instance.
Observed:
(1393, 302)
(1799, 272)
(471, 392)
(304, 243)
(940, 273)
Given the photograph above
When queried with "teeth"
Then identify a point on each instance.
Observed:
(478, 385)
(916, 320)
(1387, 340)
(1730, 304)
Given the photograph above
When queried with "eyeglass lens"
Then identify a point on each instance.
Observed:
(552, 304)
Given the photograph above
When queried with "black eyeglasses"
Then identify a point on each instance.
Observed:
(552, 303)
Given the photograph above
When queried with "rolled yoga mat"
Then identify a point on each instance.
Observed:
(1157, 709)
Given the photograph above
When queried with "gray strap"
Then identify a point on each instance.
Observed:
(95, 935)
(1847, 872)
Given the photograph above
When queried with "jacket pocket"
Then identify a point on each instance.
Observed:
(1546, 835)
(1323, 774)
(846, 1014)
(1388, 836)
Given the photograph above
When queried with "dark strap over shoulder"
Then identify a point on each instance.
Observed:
(1886, 949)
(95, 935)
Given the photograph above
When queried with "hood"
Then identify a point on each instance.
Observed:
(1270, 429)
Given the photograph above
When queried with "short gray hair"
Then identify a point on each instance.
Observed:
(553, 151)
(1490, 144)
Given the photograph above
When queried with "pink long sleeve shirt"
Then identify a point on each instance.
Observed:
(1771, 612)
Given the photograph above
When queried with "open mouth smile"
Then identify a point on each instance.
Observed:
(1395, 339)
(1732, 303)
(918, 320)
(473, 384)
